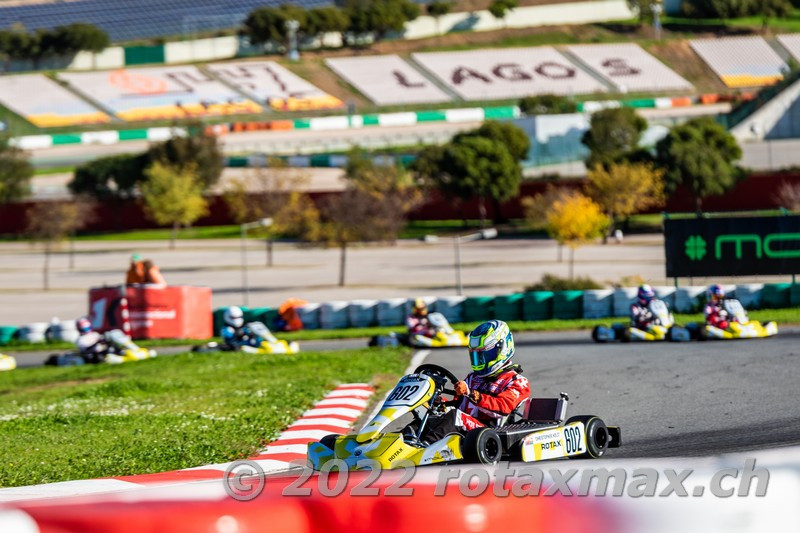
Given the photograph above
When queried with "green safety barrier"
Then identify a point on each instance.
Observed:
(568, 304)
(478, 308)
(794, 295)
(776, 295)
(142, 55)
(7, 333)
(508, 307)
(537, 305)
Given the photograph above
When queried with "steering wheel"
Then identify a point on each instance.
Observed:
(440, 375)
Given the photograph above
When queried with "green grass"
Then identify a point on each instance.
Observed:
(163, 234)
(163, 414)
(790, 23)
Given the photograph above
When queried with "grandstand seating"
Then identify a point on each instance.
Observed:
(126, 20)
(741, 61)
(508, 73)
(792, 43)
(387, 80)
(270, 83)
(160, 93)
(629, 68)
(44, 103)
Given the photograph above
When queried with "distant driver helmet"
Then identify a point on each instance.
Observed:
(716, 293)
(420, 307)
(645, 294)
(234, 317)
(83, 325)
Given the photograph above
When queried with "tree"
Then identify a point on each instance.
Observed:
(775, 9)
(173, 196)
(547, 104)
(719, 9)
(500, 8)
(51, 223)
(483, 163)
(77, 37)
(643, 9)
(379, 17)
(701, 155)
(356, 215)
(15, 173)
(198, 150)
(788, 196)
(613, 136)
(471, 166)
(574, 220)
(268, 24)
(269, 193)
(624, 189)
(537, 208)
(330, 19)
(391, 185)
(113, 179)
(437, 9)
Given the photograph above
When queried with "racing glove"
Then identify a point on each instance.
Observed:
(461, 388)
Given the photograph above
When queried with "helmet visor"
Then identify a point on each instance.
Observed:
(481, 359)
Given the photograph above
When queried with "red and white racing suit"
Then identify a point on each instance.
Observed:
(420, 325)
(641, 317)
(716, 315)
(499, 396)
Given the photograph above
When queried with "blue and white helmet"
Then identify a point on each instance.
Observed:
(645, 294)
(491, 347)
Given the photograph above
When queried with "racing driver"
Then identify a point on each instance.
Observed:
(491, 391)
(716, 315)
(418, 322)
(641, 317)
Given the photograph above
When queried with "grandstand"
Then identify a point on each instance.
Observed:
(508, 73)
(126, 20)
(629, 68)
(387, 80)
(46, 104)
(268, 82)
(742, 61)
(160, 93)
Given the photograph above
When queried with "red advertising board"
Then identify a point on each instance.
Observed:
(154, 311)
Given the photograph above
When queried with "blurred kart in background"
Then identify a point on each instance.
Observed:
(739, 325)
(440, 335)
(7, 363)
(119, 349)
(663, 328)
(263, 343)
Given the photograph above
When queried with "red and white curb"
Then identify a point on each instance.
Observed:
(335, 413)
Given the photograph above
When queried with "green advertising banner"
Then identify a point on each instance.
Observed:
(733, 246)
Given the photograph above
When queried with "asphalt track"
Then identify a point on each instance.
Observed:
(671, 399)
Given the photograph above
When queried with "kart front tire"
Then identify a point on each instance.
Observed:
(329, 441)
(625, 335)
(596, 334)
(597, 436)
(483, 446)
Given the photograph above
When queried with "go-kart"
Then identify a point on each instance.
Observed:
(739, 325)
(121, 349)
(535, 431)
(263, 343)
(7, 363)
(444, 336)
(663, 328)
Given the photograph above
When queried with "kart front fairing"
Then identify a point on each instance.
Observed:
(414, 392)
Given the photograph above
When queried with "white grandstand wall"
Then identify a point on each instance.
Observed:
(201, 50)
(521, 17)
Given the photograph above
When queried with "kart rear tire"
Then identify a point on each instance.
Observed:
(483, 446)
(597, 436)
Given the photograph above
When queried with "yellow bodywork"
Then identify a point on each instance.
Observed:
(441, 340)
(273, 347)
(7, 362)
(751, 329)
(655, 333)
(388, 451)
